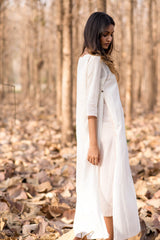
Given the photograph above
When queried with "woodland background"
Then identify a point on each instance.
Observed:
(40, 42)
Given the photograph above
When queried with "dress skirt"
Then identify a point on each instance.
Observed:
(108, 161)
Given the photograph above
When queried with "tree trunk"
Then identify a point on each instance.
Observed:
(24, 66)
(139, 55)
(102, 5)
(91, 5)
(75, 49)
(51, 56)
(2, 51)
(129, 86)
(59, 61)
(151, 80)
(155, 53)
(67, 74)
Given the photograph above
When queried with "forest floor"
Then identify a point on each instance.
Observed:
(37, 175)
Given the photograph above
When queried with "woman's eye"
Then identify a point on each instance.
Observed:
(105, 35)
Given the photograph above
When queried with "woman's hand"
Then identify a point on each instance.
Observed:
(93, 154)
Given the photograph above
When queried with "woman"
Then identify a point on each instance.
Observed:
(106, 201)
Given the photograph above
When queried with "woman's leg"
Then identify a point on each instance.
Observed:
(109, 225)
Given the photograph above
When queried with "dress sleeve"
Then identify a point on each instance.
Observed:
(93, 84)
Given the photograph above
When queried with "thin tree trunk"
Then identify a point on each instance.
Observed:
(41, 24)
(151, 84)
(59, 61)
(24, 68)
(75, 48)
(102, 5)
(2, 74)
(129, 87)
(51, 56)
(155, 53)
(121, 49)
(35, 52)
(139, 61)
(67, 75)
(91, 5)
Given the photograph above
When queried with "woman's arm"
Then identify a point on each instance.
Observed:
(93, 151)
(92, 125)
(93, 89)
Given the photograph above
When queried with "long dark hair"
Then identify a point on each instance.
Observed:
(93, 30)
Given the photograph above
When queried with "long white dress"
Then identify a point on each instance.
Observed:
(106, 189)
(108, 161)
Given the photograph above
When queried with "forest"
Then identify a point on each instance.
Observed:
(40, 44)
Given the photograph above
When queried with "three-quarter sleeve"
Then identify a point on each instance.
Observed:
(93, 84)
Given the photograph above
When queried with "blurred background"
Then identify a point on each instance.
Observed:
(42, 40)
(40, 43)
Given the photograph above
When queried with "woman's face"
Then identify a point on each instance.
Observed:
(107, 36)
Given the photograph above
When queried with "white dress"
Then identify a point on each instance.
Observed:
(106, 189)
(108, 161)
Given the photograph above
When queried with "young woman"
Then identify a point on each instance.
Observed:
(106, 205)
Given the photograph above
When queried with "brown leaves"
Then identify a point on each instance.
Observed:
(68, 216)
(35, 189)
(44, 187)
(144, 150)
(17, 193)
(9, 182)
(37, 177)
(3, 207)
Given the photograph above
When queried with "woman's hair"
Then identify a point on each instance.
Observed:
(95, 26)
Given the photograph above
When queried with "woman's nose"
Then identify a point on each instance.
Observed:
(110, 38)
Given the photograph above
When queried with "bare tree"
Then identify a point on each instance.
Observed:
(59, 59)
(102, 5)
(50, 54)
(91, 4)
(151, 78)
(67, 74)
(129, 83)
(2, 49)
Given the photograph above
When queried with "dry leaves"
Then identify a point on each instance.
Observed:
(37, 176)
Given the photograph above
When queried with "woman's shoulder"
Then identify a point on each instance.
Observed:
(90, 59)
(91, 56)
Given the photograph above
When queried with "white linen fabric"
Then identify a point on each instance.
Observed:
(107, 162)
(96, 84)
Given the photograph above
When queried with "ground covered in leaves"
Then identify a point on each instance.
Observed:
(37, 175)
